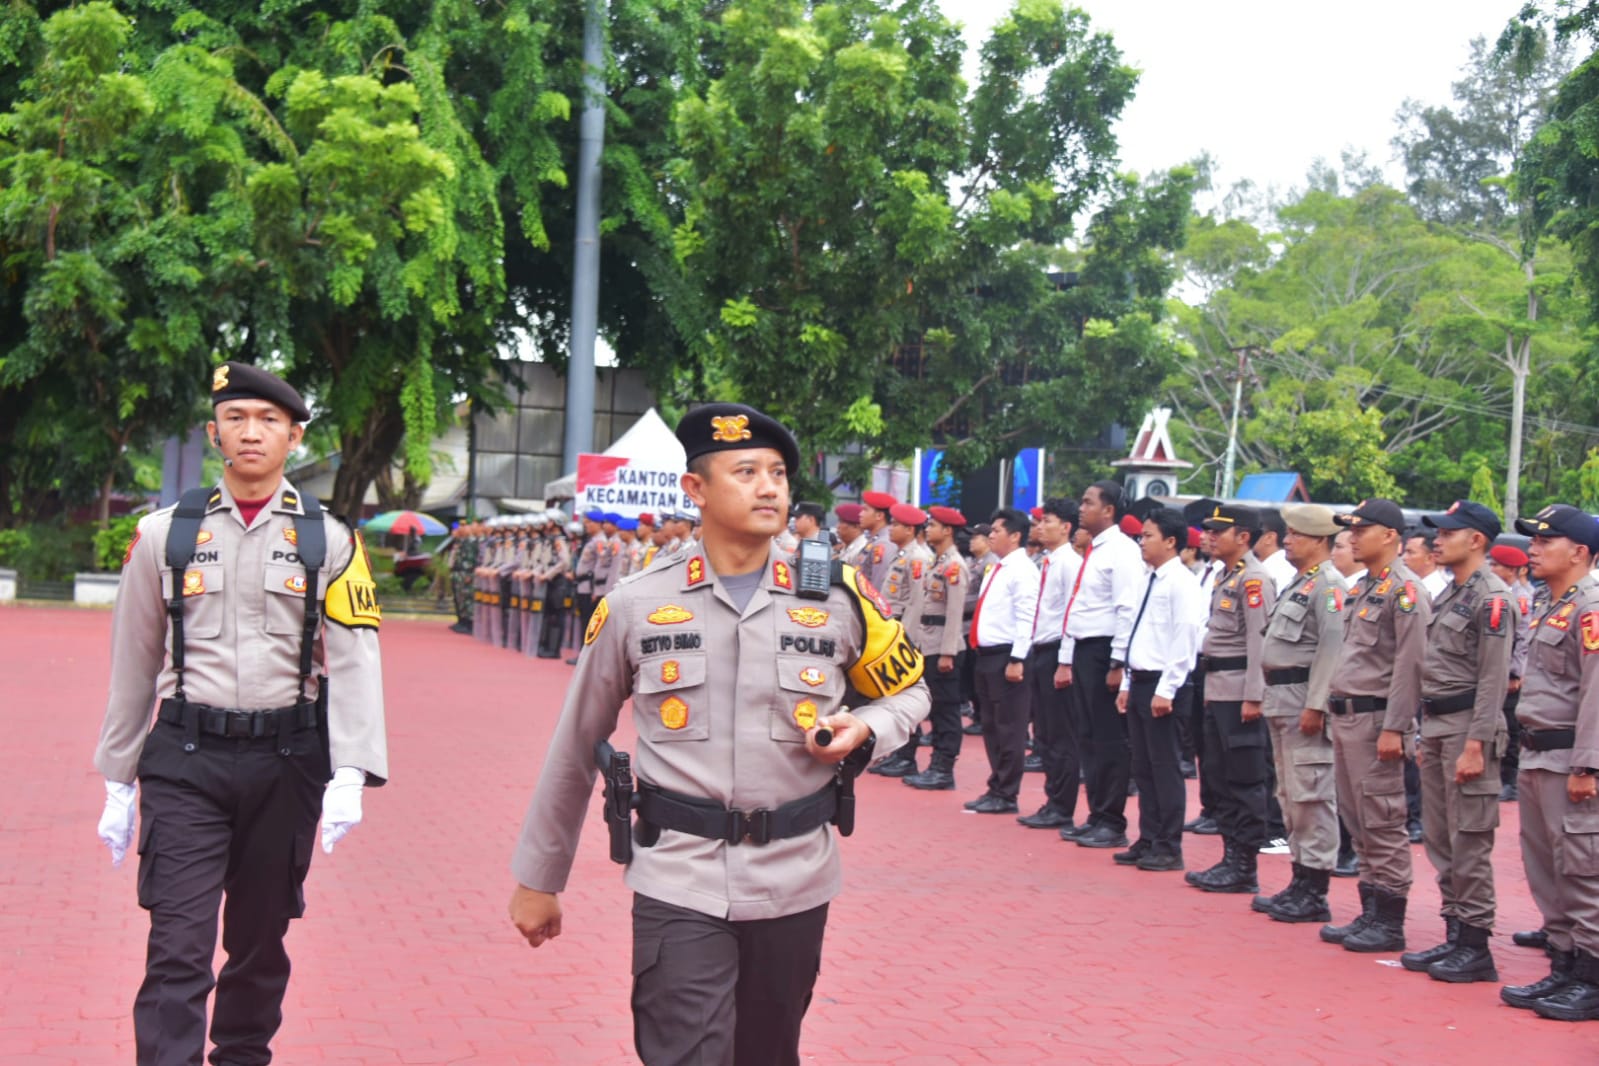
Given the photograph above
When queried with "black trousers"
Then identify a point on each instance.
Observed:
(1104, 735)
(553, 632)
(945, 715)
(1510, 759)
(232, 823)
(1236, 754)
(1004, 705)
(1055, 729)
(713, 992)
(1157, 767)
(1207, 787)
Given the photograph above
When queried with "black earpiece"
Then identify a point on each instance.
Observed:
(216, 438)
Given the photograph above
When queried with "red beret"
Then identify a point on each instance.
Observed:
(947, 515)
(1036, 513)
(849, 512)
(646, 519)
(911, 516)
(1507, 555)
(1193, 537)
(1132, 526)
(880, 500)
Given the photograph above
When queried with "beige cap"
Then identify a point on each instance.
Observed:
(1311, 519)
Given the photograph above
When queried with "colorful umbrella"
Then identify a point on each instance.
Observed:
(404, 522)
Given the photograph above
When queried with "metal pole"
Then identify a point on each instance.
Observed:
(579, 432)
(1232, 434)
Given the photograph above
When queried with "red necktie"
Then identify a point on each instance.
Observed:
(977, 612)
(1081, 570)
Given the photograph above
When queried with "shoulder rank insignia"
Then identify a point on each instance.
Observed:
(780, 572)
(602, 611)
(668, 615)
(696, 570)
(809, 617)
(1590, 632)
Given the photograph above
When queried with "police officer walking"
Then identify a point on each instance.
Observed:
(236, 608)
(732, 672)
(1559, 715)
(1235, 737)
(1376, 689)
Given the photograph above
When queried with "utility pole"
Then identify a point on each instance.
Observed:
(579, 432)
(1229, 466)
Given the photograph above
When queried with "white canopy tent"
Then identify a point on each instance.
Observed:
(647, 439)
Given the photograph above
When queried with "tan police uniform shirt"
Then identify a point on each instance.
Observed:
(244, 610)
(854, 553)
(1305, 631)
(902, 583)
(1561, 686)
(1239, 606)
(1468, 647)
(588, 561)
(880, 557)
(939, 628)
(1521, 593)
(721, 702)
(1385, 643)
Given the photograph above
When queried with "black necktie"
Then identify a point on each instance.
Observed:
(1140, 617)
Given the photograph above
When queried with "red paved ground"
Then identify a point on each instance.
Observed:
(959, 939)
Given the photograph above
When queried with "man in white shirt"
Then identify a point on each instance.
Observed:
(1420, 557)
(1270, 549)
(1098, 621)
(1002, 636)
(1343, 560)
(1161, 649)
(1054, 730)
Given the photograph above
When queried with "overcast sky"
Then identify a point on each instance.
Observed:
(1267, 86)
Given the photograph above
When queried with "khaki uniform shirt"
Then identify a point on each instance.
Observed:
(880, 557)
(940, 628)
(1561, 687)
(1239, 605)
(721, 702)
(1468, 646)
(902, 583)
(608, 564)
(854, 553)
(1304, 630)
(1385, 643)
(244, 610)
(588, 562)
(1522, 593)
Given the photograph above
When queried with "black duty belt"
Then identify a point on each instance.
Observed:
(1461, 701)
(993, 649)
(1221, 664)
(1144, 677)
(1356, 704)
(933, 619)
(704, 818)
(1293, 675)
(241, 724)
(1051, 647)
(1548, 739)
(1093, 640)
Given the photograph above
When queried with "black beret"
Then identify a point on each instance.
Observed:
(720, 427)
(241, 381)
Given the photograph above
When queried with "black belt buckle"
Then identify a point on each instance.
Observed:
(238, 724)
(1338, 705)
(754, 826)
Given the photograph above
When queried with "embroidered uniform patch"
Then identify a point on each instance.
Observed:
(670, 672)
(812, 676)
(602, 611)
(674, 713)
(809, 617)
(669, 614)
(805, 714)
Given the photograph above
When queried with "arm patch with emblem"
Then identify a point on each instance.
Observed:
(889, 663)
(352, 598)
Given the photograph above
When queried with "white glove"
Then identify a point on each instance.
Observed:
(116, 821)
(341, 805)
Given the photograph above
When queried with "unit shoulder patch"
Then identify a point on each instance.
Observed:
(602, 611)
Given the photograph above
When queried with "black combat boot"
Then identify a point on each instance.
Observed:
(895, 765)
(1335, 934)
(1578, 1001)
(1524, 996)
(1198, 877)
(1264, 904)
(1238, 878)
(1470, 961)
(1386, 930)
(1310, 904)
(939, 775)
(1418, 961)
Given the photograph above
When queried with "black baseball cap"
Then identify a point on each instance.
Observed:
(1466, 514)
(806, 507)
(1562, 520)
(720, 427)
(1232, 516)
(1374, 512)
